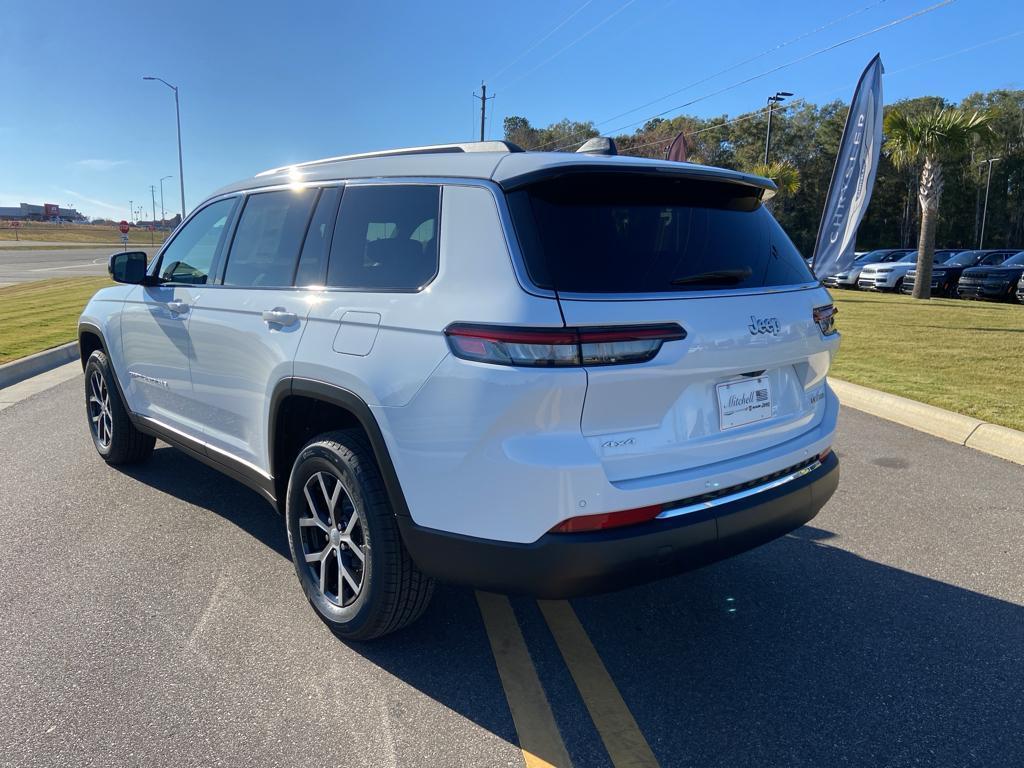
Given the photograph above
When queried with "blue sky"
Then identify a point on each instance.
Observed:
(265, 84)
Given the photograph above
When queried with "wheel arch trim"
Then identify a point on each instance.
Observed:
(349, 401)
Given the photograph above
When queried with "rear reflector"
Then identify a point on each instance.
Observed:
(607, 520)
(559, 347)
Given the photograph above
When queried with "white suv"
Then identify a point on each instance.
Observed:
(543, 373)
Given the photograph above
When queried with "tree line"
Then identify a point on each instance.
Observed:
(806, 136)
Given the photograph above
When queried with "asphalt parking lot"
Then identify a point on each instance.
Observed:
(20, 264)
(152, 617)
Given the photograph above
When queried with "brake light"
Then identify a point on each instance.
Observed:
(601, 522)
(559, 347)
(825, 318)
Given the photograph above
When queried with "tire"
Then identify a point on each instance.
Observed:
(363, 585)
(116, 439)
(898, 288)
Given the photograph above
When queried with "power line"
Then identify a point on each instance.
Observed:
(786, 65)
(544, 39)
(564, 48)
(890, 74)
(739, 64)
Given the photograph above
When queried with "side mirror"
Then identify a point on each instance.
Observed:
(128, 267)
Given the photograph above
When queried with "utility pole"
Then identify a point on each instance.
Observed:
(163, 213)
(984, 211)
(152, 224)
(483, 107)
(772, 101)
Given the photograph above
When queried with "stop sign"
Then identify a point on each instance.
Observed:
(123, 226)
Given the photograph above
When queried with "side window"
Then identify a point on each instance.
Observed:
(268, 238)
(386, 237)
(313, 260)
(189, 257)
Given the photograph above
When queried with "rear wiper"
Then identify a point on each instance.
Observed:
(717, 277)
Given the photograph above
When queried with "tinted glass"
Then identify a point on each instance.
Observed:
(965, 259)
(386, 237)
(313, 260)
(631, 233)
(993, 259)
(189, 257)
(268, 238)
(893, 256)
(1015, 261)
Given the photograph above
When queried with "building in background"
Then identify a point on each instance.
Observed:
(44, 212)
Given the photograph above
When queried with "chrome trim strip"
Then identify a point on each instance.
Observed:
(676, 295)
(745, 494)
(247, 464)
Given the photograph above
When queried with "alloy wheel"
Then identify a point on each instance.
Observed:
(333, 539)
(101, 421)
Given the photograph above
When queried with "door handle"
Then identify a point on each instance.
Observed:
(279, 316)
(177, 307)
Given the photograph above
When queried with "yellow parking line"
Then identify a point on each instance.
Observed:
(539, 738)
(626, 745)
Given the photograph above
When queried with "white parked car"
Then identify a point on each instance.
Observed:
(544, 373)
(848, 278)
(888, 276)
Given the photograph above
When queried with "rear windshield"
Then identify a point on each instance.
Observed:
(631, 233)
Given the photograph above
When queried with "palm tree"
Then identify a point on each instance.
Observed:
(929, 139)
(785, 175)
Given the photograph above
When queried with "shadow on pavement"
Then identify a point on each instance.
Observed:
(801, 653)
(176, 474)
(798, 653)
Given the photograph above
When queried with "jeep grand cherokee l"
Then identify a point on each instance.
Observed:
(995, 283)
(544, 373)
(946, 276)
(848, 278)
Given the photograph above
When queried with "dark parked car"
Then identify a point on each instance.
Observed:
(946, 276)
(998, 283)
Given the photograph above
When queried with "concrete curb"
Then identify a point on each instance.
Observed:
(999, 441)
(33, 365)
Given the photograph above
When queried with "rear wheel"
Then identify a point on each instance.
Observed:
(345, 543)
(115, 437)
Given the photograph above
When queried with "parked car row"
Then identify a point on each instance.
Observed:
(993, 274)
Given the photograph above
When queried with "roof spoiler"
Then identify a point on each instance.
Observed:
(433, 149)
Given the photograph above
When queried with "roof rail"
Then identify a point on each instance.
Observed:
(466, 146)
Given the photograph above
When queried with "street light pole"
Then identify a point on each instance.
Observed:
(177, 114)
(131, 210)
(772, 101)
(163, 215)
(984, 211)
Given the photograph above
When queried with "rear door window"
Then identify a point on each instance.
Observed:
(631, 233)
(268, 237)
(385, 238)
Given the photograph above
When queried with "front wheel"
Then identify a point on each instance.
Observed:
(115, 437)
(345, 543)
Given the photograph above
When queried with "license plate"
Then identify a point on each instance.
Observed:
(744, 401)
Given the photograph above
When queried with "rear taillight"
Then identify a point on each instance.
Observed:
(825, 318)
(559, 347)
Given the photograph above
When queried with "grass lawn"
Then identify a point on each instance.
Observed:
(39, 315)
(78, 233)
(964, 356)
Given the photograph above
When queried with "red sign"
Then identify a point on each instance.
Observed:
(50, 210)
(123, 226)
(15, 224)
(151, 228)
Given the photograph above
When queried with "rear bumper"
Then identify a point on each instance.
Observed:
(567, 565)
